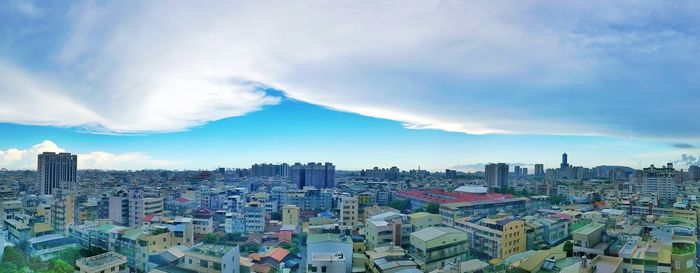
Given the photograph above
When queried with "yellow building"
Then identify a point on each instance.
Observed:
(365, 199)
(206, 258)
(421, 220)
(63, 211)
(498, 238)
(290, 215)
(434, 247)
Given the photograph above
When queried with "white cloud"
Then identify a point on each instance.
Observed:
(463, 66)
(15, 158)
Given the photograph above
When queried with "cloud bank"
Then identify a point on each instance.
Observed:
(624, 68)
(15, 158)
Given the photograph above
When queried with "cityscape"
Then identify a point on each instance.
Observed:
(349, 136)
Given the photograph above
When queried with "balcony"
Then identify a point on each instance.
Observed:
(682, 248)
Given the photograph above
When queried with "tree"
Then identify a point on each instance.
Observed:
(13, 255)
(400, 205)
(69, 256)
(433, 208)
(276, 216)
(569, 248)
(60, 266)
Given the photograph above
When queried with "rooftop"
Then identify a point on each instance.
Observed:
(324, 237)
(101, 260)
(441, 196)
(431, 233)
(211, 250)
(590, 228)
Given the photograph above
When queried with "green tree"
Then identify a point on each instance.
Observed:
(569, 248)
(276, 216)
(13, 255)
(401, 205)
(60, 266)
(69, 256)
(433, 208)
(9, 267)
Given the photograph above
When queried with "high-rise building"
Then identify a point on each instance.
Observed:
(660, 182)
(539, 170)
(57, 171)
(564, 161)
(141, 205)
(313, 175)
(497, 175)
(62, 210)
(516, 171)
(694, 172)
(523, 172)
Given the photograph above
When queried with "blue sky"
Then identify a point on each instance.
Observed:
(435, 85)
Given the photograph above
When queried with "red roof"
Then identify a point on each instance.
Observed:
(278, 254)
(149, 217)
(284, 236)
(441, 196)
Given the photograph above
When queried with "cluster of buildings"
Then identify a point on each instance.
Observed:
(310, 218)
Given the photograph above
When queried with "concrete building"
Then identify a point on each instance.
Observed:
(119, 209)
(435, 247)
(496, 238)
(206, 258)
(290, 215)
(57, 171)
(254, 214)
(329, 243)
(313, 174)
(496, 175)
(141, 205)
(421, 220)
(660, 182)
(349, 207)
(387, 229)
(102, 263)
(328, 262)
(62, 210)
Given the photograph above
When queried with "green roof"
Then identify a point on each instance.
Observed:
(579, 224)
(42, 227)
(323, 237)
(590, 228)
(431, 233)
(105, 227)
(132, 234)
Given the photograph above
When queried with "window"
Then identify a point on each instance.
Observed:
(217, 266)
(323, 269)
(189, 261)
(203, 263)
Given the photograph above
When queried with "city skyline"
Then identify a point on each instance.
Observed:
(583, 80)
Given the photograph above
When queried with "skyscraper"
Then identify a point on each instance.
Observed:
(660, 182)
(313, 174)
(516, 171)
(57, 171)
(497, 175)
(539, 170)
(564, 161)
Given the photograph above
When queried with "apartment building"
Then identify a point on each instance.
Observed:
(497, 238)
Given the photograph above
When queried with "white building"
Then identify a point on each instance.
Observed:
(348, 211)
(660, 182)
(328, 243)
(327, 263)
(254, 214)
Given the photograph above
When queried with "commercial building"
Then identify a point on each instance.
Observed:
(435, 247)
(57, 171)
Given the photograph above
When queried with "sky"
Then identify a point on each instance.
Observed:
(435, 85)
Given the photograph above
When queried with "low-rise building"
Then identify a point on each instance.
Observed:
(495, 237)
(206, 258)
(435, 247)
(109, 262)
